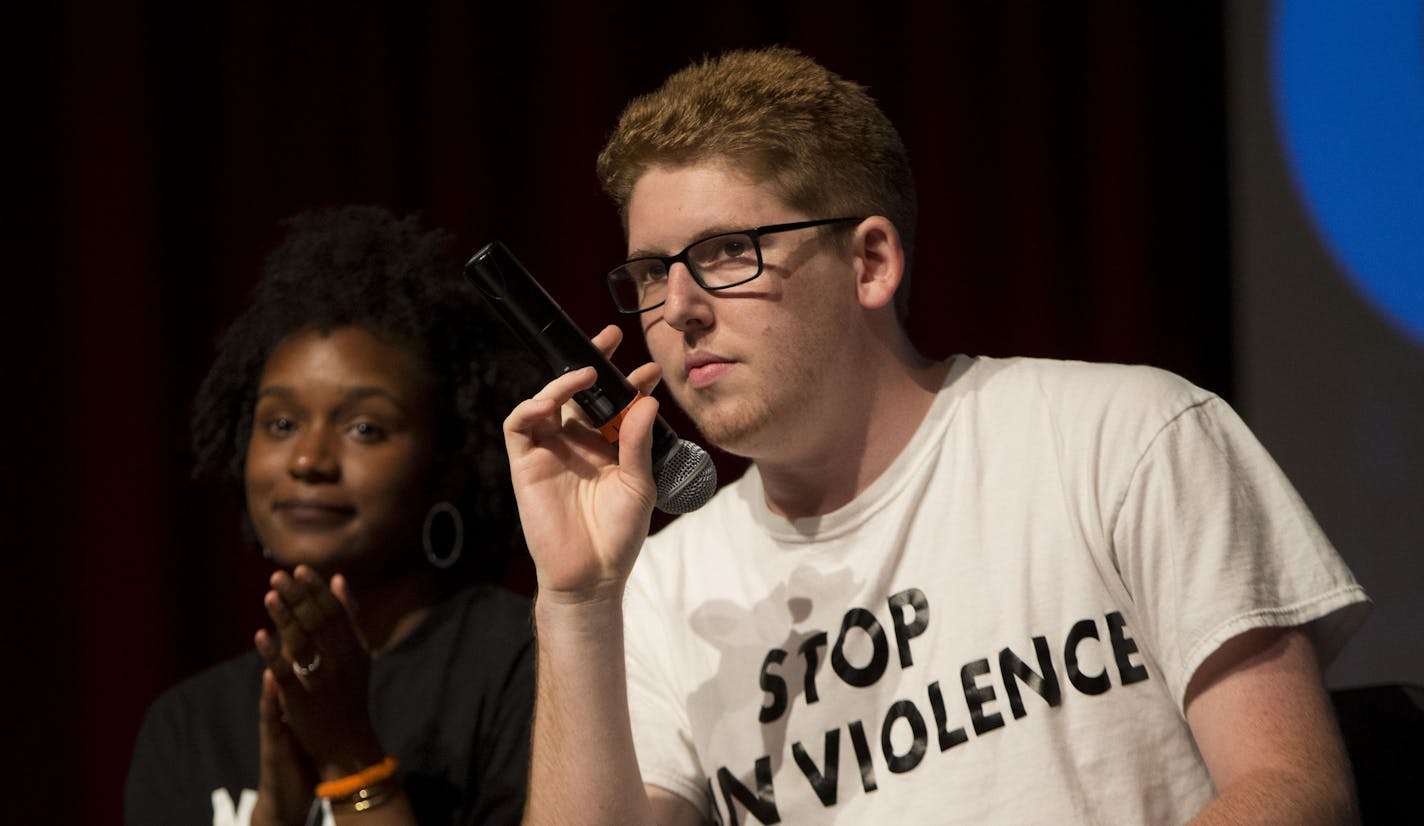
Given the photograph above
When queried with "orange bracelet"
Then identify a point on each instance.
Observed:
(352, 783)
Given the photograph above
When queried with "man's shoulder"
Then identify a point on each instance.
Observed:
(1081, 386)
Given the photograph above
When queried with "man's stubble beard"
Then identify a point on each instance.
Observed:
(746, 423)
(729, 423)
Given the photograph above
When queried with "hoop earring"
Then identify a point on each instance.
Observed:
(456, 547)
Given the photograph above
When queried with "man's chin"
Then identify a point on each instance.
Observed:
(734, 428)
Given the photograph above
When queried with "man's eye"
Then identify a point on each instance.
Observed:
(735, 247)
(651, 273)
(721, 251)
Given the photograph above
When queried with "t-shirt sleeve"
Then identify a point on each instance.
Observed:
(1212, 541)
(662, 734)
(151, 782)
(195, 757)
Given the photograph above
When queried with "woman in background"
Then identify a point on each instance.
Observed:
(358, 403)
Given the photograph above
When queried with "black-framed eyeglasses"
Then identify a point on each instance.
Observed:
(715, 262)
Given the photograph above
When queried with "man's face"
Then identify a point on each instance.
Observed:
(756, 366)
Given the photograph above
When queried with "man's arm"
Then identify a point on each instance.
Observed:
(585, 518)
(1262, 720)
(583, 768)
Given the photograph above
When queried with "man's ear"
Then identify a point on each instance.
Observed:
(879, 261)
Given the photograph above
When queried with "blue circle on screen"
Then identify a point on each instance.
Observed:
(1349, 96)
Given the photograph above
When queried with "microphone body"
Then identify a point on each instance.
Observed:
(685, 475)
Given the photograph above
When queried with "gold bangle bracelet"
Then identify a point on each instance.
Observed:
(368, 798)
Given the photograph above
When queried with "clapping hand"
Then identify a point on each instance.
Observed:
(319, 672)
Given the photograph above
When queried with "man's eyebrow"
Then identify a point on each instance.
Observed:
(707, 232)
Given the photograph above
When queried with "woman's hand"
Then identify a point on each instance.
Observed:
(585, 516)
(321, 670)
(286, 777)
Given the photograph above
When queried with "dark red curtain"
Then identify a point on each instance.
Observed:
(1071, 170)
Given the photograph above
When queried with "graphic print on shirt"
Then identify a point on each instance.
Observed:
(228, 813)
(980, 697)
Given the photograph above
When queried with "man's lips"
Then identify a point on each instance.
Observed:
(705, 368)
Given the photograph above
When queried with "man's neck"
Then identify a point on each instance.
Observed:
(829, 474)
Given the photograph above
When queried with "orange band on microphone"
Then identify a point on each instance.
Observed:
(610, 428)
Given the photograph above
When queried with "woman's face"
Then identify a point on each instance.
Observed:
(339, 468)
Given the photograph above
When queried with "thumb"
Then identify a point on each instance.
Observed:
(635, 443)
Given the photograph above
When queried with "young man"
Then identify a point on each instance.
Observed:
(1005, 591)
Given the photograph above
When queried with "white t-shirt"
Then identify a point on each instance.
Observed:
(999, 629)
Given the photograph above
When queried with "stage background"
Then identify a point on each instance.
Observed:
(1330, 377)
(1076, 189)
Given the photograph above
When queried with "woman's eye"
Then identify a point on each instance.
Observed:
(367, 432)
(280, 426)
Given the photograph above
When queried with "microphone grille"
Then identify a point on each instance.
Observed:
(686, 479)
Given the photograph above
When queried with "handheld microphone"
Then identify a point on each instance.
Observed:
(684, 473)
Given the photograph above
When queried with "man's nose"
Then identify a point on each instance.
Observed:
(688, 305)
